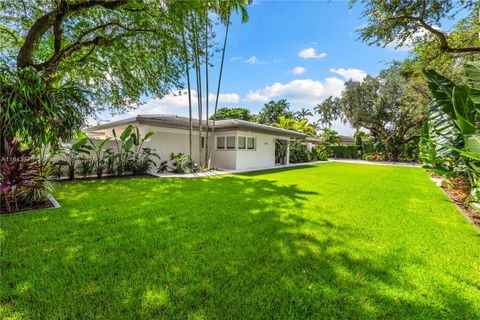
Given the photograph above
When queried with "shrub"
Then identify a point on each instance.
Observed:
(85, 166)
(183, 163)
(319, 153)
(345, 151)
(299, 153)
(374, 156)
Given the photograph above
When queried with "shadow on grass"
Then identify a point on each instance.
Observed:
(229, 247)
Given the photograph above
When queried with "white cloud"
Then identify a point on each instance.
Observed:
(236, 58)
(306, 92)
(174, 104)
(278, 60)
(252, 60)
(299, 70)
(311, 53)
(350, 74)
(225, 97)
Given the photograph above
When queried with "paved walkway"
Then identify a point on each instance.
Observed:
(378, 163)
(226, 171)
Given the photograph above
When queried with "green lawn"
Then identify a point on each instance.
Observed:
(333, 240)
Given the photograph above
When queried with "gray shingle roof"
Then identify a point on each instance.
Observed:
(174, 121)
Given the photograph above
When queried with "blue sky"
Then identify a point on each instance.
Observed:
(299, 50)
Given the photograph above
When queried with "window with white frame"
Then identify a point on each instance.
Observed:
(242, 143)
(250, 143)
(230, 142)
(220, 142)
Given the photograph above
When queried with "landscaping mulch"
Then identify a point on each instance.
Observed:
(458, 191)
(22, 207)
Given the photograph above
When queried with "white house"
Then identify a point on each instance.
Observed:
(237, 144)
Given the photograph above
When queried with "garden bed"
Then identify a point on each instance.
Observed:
(22, 207)
(458, 191)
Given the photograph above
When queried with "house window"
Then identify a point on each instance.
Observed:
(250, 143)
(230, 142)
(220, 142)
(241, 143)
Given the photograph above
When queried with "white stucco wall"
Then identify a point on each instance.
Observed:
(168, 140)
(263, 155)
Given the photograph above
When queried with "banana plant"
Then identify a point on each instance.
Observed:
(99, 154)
(124, 146)
(451, 137)
(70, 156)
(141, 161)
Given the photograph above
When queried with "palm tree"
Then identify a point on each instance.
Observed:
(189, 90)
(206, 85)
(330, 136)
(224, 12)
(303, 114)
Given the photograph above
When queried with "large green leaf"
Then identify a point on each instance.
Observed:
(126, 133)
(472, 145)
(464, 110)
(441, 88)
(472, 69)
(442, 131)
(79, 144)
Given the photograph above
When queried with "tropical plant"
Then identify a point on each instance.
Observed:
(319, 153)
(98, 153)
(295, 125)
(298, 152)
(330, 136)
(85, 165)
(124, 144)
(183, 163)
(451, 138)
(19, 173)
(303, 114)
(272, 110)
(141, 161)
(70, 155)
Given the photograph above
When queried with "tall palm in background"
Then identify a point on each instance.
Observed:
(303, 114)
(224, 12)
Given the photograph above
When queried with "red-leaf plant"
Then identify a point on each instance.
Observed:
(18, 172)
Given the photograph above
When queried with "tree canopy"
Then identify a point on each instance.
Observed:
(272, 110)
(233, 113)
(383, 106)
(111, 53)
(412, 22)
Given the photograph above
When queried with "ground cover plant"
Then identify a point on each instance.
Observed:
(343, 241)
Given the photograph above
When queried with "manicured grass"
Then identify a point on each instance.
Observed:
(334, 240)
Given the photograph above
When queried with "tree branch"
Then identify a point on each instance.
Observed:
(54, 19)
(444, 46)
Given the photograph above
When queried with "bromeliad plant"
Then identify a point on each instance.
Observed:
(451, 138)
(19, 174)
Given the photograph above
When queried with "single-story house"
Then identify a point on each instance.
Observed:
(346, 140)
(237, 144)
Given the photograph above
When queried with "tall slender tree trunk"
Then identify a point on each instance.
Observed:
(199, 93)
(206, 91)
(218, 86)
(189, 90)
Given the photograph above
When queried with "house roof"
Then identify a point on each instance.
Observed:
(178, 122)
(347, 139)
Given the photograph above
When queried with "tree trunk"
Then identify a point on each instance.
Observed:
(189, 90)
(218, 86)
(206, 90)
(199, 94)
